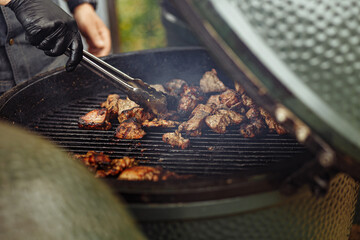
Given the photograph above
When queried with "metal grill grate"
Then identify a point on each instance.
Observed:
(210, 154)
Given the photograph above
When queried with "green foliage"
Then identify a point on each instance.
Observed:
(140, 25)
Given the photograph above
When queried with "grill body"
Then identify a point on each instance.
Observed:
(232, 195)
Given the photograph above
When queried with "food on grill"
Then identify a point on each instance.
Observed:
(130, 129)
(96, 119)
(194, 125)
(116, 167)
(124, 168)
(210, 83)
(271, 123)
(229, 98)
(138, 113)
(94, 160)
(175, 139)
(222, 119)
(147, 173)
(111, 104)
(210, 105)
(175, 87)
(190, 98)
(158, 87)
(156, 122)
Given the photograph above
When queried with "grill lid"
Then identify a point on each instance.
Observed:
(301, 54)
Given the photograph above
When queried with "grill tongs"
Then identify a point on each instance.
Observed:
(138, 91)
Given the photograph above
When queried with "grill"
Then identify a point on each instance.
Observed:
(236, 192)
(211, 154)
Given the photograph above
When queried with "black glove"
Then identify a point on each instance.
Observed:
(49, 28)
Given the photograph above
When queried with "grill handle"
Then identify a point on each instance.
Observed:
(137, 90)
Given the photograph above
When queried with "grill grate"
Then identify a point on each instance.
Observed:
(210, 154)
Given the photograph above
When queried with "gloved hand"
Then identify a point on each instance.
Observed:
(49, 28)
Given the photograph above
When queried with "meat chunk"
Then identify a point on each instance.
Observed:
(125, 104)
(159, 88)
(191, 97)
(175, 87)
(229, 98)
(253, 128)
(147, 173)
(93, 159)
(235, 117)
(210, 82)
(141, 173)
(272, 124)
(214, 101)
(138, 113)
(156, 122)
(111, 105)
(218, 122)
(116, 167)
(130, 129)
(193, 126)
(95, 120)
(176, 140)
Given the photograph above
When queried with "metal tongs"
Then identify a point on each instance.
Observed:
(137, 90)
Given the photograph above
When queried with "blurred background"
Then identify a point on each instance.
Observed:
(134, 24)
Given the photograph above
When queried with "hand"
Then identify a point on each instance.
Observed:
(94, 30)
(49, 28)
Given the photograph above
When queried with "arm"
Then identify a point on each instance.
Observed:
(93, 29)
(49, 28)
(4, 2)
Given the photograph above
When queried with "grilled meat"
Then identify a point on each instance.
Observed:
(229, 98)
(214, 101)
(111, 105)
(176, 140)
(235, 117)
(271, 123)
(247, 101)
(210, 83)
(146, 173)
(218, 122)
(130, 129)
(125, 104)
(141, 173)
(191, 97)
(175, 87)
(255, 128)
(138, 113)
(156, 122)
(94, 160)
(95, 120)
(193, 126)
(158, 87)
(116, 167)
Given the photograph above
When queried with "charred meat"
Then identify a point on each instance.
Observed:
(191, 97)
(138, 113)
(130, 129)
(111, 104)
(95, 120)
(229, 98)
(175, 87)
(147, 173)
(210, 83)
(194, 125)
(94, 160)
(271, 123)
(218, 122)
(176, 140)
(253, 128)
(116, 167)
(156, 122)
(125, 104)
